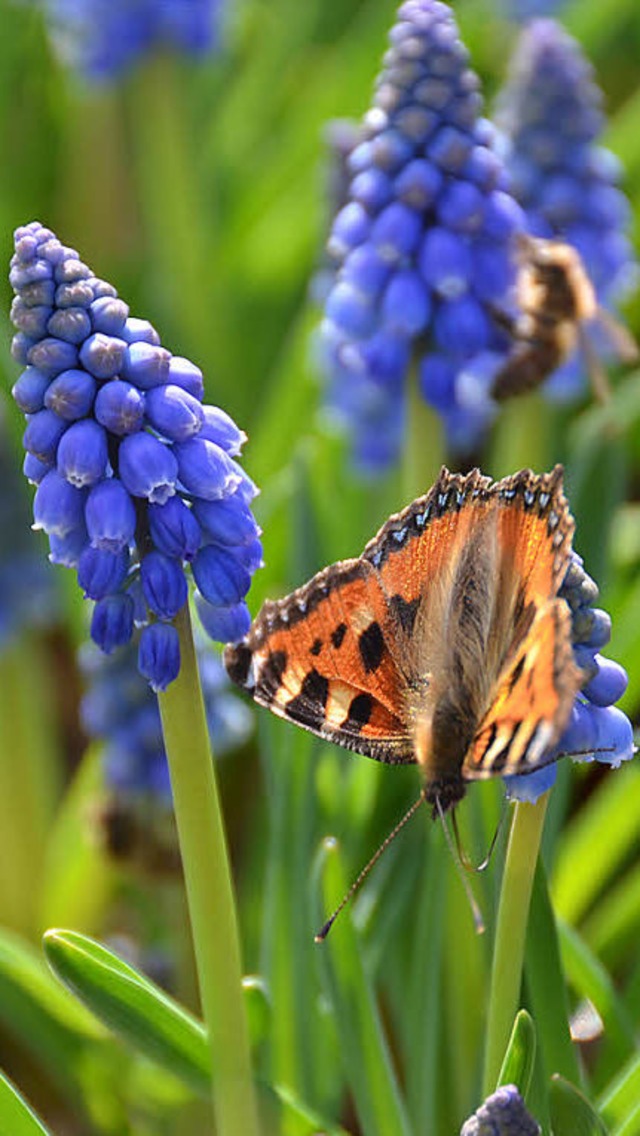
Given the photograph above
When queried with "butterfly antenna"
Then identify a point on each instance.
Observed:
(462, 855)
(459, 862)
(324, 930)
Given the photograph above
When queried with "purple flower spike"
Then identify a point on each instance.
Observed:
(226, 624)
(596, 730)
(550, 112)
(502, 1114)
(30, 389)
(206, 470)
(112, 622)
(103, 40)
(221, 577)
(120, 407)
(100, 573)
(58, 507)
(426, 211)
(159, 655)
(164, 584)
(124, 455)
(148, 468)
(110, 516)
(82, 453)
(174, 413)
(71, 395)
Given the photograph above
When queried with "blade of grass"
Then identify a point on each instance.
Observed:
(367, 1061)
(546, 986)
(586, 861)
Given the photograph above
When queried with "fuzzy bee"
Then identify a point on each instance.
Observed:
(557, 300)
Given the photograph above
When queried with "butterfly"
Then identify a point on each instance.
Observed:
(557, 301)
(444, 644)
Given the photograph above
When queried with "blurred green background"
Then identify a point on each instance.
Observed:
(199, 190)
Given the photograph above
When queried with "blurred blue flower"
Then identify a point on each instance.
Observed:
(597, 729)
(520, 11)
(422, 248)
(27, 590)
(550, 115)
(502, 1114)
(136, 478)
(102, 38)
(120, 711)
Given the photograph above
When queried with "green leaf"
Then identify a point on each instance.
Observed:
(79, 877)
(590, 979)
(596, 843)
(298, 1119)
(131, 1005)
(367, 1060)
(15, 1115)
(519, 1059)
(619, 1102)
(546, 985)
(53, 1028)
(258, 1004)
(571, 1113)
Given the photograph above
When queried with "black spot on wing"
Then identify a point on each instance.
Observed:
(360, 709)
(237, 660)
(405, 611)
(308, 706)
(271, 672)
(316, 647)
(338, 634)
(371, 647)
(517, 673)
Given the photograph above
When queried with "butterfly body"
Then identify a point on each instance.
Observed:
(557, 300)
(444, 644)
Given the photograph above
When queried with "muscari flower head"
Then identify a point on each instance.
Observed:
(520, 11)
(102, 38)
(551, 120)
(339, 136)
(502, 1114)
(597, 729)
(120, 711)
(27, 591)
(136, 478)
(423, 248)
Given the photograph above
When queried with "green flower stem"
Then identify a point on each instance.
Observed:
(424, 447)
(209, 893)
(513, 915)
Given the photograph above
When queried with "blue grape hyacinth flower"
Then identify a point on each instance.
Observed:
(502, 1114)
(27, 591)
(423, 249)
(521, 11)
(550, 115)
(597, 730)
(101, 39)
(137, 479)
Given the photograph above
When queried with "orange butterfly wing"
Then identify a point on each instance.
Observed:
(320, 657)
(532, 700)
(452, 607)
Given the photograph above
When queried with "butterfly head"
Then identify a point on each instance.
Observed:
(443, 793)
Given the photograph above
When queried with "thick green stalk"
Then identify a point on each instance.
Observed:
(511, 929)
(209, 893)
